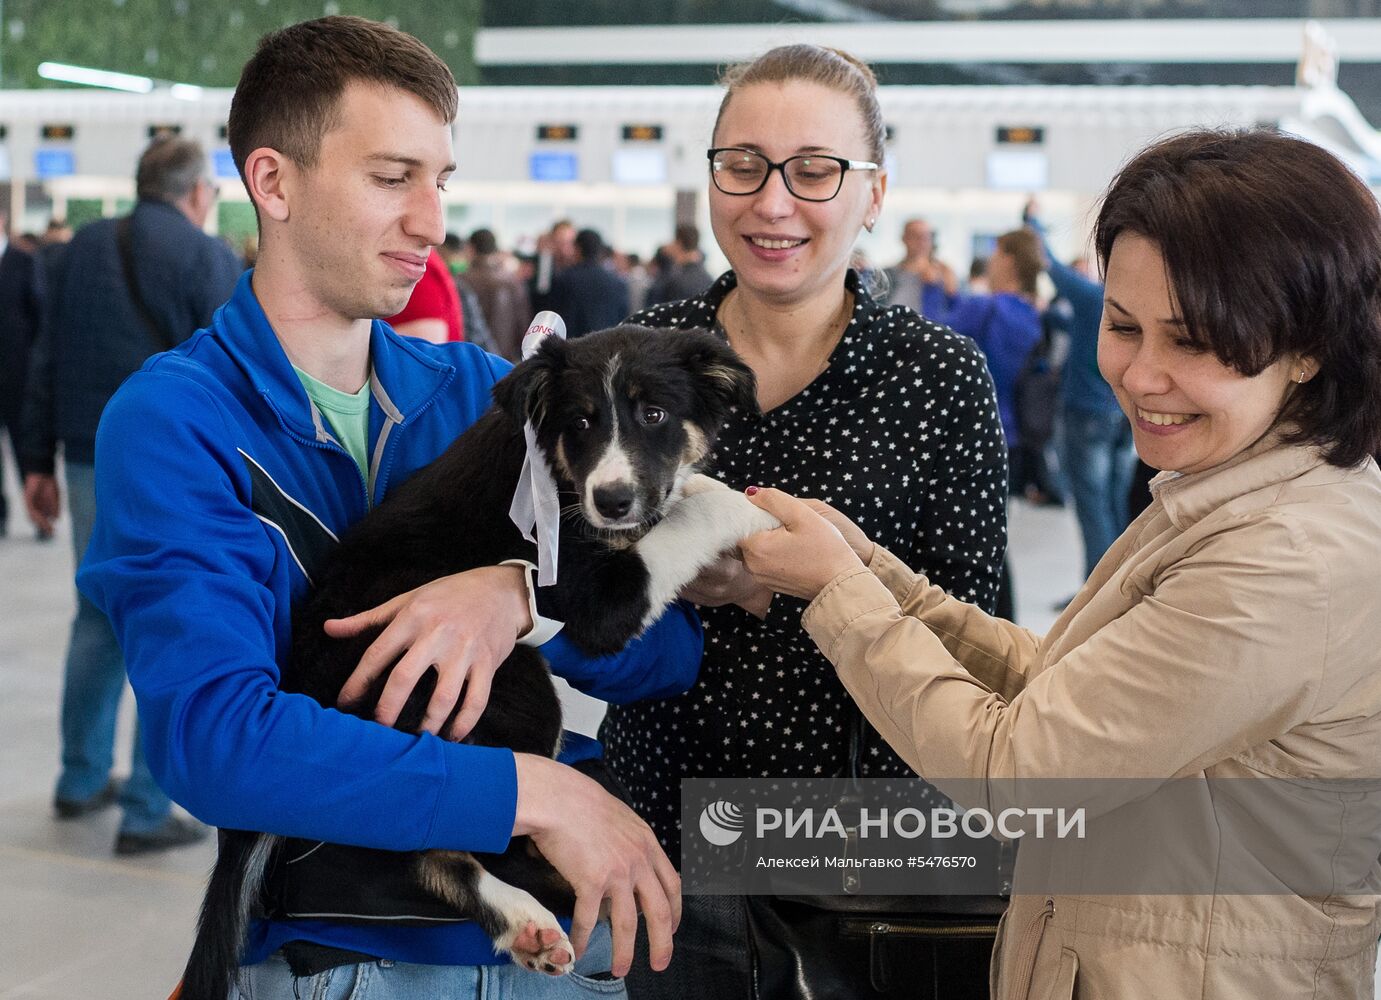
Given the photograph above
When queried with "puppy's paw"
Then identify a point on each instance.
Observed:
(759, 519)
(528, 931)
(740, 517)
(540, 946)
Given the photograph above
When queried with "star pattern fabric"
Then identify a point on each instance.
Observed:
(901, 433)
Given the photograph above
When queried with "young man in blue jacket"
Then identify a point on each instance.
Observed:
(225, 465)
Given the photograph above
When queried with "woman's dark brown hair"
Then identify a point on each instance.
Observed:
(289, 90)
(1272, 247)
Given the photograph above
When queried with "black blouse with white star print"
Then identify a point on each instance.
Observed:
(901, 433)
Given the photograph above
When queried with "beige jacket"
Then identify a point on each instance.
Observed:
(1233, 630)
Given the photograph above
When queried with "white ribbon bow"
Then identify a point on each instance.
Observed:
(536, 509)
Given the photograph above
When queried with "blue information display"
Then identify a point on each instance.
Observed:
(54, 163)
(553, 167)
(225, 163)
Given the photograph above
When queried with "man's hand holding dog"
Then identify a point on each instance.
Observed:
(464, 625)
(605, 851)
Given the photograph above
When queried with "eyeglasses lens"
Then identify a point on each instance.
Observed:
(811, 178)
(737, 171)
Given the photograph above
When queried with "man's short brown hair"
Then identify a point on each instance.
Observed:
(289, 91)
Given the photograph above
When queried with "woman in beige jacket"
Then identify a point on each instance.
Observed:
(1232, 632)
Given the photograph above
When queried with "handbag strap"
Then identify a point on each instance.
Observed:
(124, 239)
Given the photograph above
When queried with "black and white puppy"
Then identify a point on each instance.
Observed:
(625, 419)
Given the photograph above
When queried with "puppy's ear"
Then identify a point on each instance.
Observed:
(722, 378)
(523, 392)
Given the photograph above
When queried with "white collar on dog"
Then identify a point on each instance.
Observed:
(536, 509)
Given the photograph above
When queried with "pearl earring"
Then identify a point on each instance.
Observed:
(869, 224)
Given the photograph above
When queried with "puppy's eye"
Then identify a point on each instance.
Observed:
(581, 424)
(653, 415)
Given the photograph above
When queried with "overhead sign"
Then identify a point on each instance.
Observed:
(58, 133)
(557, 133)
(553, 167)
(224, 163)
(54, 163)
(642, 133)
(1021, 135)
(639, 166)
(1018, 170)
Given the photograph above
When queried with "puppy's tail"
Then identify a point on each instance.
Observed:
(234, 886)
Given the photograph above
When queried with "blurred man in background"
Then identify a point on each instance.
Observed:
(588, 295)
(555, 252)
(501, 294)
(685, 277)
(921, 281)
(122, 290)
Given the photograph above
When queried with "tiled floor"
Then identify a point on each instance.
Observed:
(75, 921)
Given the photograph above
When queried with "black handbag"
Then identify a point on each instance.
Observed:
(855, 945)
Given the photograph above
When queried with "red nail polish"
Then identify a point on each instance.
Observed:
(751, 490)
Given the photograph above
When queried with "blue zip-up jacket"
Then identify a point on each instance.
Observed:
(1082, 385)
(215, 479)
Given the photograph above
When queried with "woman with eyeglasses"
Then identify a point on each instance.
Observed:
(882, 413)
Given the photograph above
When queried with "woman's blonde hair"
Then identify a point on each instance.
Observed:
(830, 68)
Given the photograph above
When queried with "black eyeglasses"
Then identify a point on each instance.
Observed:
(811, 178)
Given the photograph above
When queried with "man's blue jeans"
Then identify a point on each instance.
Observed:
(1098, 460)
(93, 684)
(271, 980)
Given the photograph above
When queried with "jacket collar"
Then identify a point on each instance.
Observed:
(402, 379)
(1190, 498)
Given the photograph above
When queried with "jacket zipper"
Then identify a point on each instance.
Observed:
(381, 476)
(330, 446)
(336, 449)
(1030, 947)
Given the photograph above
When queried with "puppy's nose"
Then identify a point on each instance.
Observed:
(614, 501)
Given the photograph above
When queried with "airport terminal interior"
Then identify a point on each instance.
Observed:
(597, 116)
